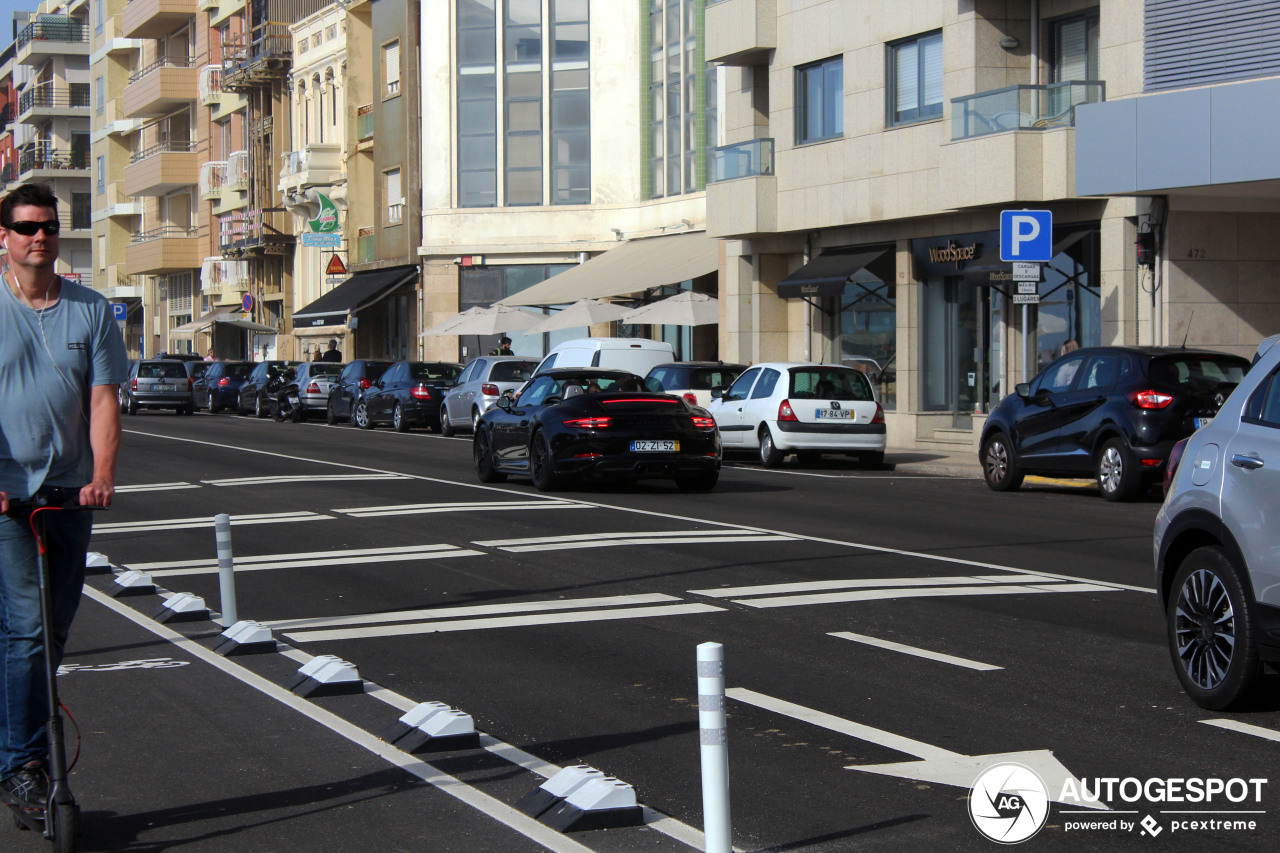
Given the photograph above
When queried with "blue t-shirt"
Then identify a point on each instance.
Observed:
(49, 361)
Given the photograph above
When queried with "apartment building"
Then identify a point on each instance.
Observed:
(563, 149)
(46, 84)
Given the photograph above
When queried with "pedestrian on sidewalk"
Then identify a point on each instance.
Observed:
(61, 361)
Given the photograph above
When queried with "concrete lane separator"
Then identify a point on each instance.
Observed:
(181, 607)
(433, 727)
(325, 675)
(603, 807)
(454, 787)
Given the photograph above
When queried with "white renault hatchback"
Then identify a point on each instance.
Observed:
(1217, 544)
(804, 408)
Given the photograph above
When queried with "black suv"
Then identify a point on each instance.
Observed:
(356, 378)
(1111, 413)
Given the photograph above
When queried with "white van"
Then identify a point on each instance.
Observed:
(638, 355)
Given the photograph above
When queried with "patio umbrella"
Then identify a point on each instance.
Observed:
(584, 312)
(493, 320)
(683, 309)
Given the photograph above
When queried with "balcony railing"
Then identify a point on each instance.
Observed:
(161, 233)
(251, 58)
(41, 156)
(364, 122)
(741, 160)
(49, 96)
(161, 148)
(66, 29)
(238, 170)
(209, 84)
(1040, 107)
(162, 62)
(218, 275)
(213, 178)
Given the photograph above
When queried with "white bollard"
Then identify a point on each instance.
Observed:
(226, 569)
(715, 749)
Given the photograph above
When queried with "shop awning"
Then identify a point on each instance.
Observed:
(827, 274)
(360, 291)
(188, 330)
(246, 324)
(990, 270)
(633, 267)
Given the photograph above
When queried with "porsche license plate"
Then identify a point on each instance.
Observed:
(651, 446)
(834, 414)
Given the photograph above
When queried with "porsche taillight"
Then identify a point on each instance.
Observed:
(703, 422)
(600, 422)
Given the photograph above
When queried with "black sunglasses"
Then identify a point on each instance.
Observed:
(29, 229)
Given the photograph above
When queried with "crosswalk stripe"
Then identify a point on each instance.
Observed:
(205, 521)
(928, 592)
(477, 506)
(455, 611)
(854, 583)
(155, 487)
(406, 556)
(502, 622)
(324, 556)
(301, 478)
(597, 540)
(667, 540)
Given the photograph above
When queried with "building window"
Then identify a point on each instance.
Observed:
(1073, 48)
(915, 79)
(675, 109)
(102, 175)
(522, 55)
(98, 13)
(820, 100)
(391, 66)
(395, 200)
(570, 103)
(102, 96)
(477, 105)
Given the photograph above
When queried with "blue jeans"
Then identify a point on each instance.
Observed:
(24, 704)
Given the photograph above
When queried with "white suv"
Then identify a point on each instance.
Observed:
(1217, 545)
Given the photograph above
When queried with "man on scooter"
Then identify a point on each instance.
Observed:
(61, 360)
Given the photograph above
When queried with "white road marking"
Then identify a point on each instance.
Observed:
(609, 540)
(855, 583)
(468, 610)
(924, 592)
(319, 556)
(454, 787)
(938, 765)
(425, 552)
(155, 487)
(1244, 729)
(505, 622)
(850, 475)
(455, 506)
(163, 524)
(912, 650)
(320, 479)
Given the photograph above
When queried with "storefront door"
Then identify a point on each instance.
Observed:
(952, 356)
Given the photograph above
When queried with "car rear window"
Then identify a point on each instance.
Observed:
(239, 371)
(161, 371)
(706, 379)
(373, 370)
(325, 369)
(829, 383)
(512, 371)
(424, 372)
(1198, 370)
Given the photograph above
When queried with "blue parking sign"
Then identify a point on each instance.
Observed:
(1026, 235)
(120, 311)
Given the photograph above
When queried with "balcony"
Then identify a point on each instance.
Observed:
(1029, 130)
(257, 58)
(152, 19)
(113, 202)
(222, 276)
(238, 171)
(213, 179)
(161, 169)
(251, 233)
(45, 100)
(8, 174)
(167, 249)
(165, 86)
(1022, 108)
(364, 123)
(42, 160)
(317, 165)
(742, 191)
(741, 32)
(52, 36)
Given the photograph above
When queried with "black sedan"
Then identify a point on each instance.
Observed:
(219, 388)
(572, 423)
(409, 394)
(1111, 413)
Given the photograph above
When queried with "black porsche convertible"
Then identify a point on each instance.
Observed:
(572, 423)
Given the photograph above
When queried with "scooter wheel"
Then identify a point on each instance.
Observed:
(66, 828)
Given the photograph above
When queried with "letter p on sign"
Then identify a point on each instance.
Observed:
(1026, 235)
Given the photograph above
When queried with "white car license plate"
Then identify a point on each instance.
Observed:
(648, 446)
(161, 387)
(1203, 422)
(834, 414)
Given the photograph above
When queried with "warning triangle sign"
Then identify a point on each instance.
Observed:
(336, 266)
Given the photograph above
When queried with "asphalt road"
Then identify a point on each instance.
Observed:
(887, 637)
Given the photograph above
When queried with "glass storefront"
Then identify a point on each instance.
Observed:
(867, 325)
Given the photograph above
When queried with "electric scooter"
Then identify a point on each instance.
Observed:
(61, 820)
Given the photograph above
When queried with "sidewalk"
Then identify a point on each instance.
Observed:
(951, 463)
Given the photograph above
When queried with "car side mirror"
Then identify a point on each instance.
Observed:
(717, 391)
(1022, 389)
(503, 402)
